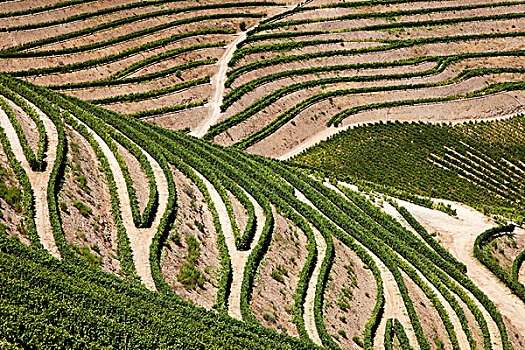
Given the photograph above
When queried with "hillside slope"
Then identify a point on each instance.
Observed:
(125, 222)
(416, 282)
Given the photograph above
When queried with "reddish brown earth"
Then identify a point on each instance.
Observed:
(97, 229)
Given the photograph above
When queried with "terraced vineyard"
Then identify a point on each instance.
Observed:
(327, 65)
(123, 226)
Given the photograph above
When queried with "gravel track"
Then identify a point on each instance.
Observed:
(457, 236)
(39, 180)
(238, 258)
(140, 238)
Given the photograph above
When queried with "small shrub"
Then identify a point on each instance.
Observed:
(193, 249)
(82, 183)
(84, 210)
(269, 317)
(277, 276)
(85, 253)
(190, 276)
(175, 238)
(358, 341)
(63, 207)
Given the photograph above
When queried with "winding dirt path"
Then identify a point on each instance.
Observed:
(309, 301)
(328, 132)
(457, 236)
(454, 319)
(39, 180)
(238, 258)
(394, 304)
(140, 238)
(521, 274)
(217, 81)
(219, 78)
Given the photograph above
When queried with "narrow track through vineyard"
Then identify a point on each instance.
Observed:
(137, 146)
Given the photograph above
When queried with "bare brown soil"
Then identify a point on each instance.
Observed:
(192, 94)
(507, 247)
(138, 176)
(96, 230)
(179, 120)
(430, 321)
(28, 126)
(272, 300)
(192, 212)
(349, 45)
(10, 217)
(352, 312)
(240, 214)
(111, 91)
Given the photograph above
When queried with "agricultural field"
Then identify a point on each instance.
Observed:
(215, 174)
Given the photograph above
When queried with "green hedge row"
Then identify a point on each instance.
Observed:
(36, 161)
(142, 78)
(34, 10)
(111, 138)
(167, 109)
(158, 58)
(27, 190)
(429, 239)
(117, 56)
(141, 96)
(387, 15)
(484, 257)
(130, 19)
(391, 45)
(516, 266)
(401, 335)
(389, 335)
(245, 51)
(19, 51)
